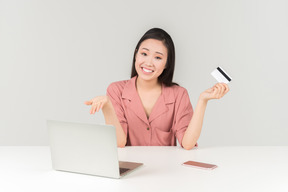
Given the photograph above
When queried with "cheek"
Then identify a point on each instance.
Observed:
(161, 66)
(137, 63)
(139, 60)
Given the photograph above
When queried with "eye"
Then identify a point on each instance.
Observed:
(144, 54)
(158, 58)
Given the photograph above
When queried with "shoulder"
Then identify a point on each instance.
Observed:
(117, 87)
(176, 94)
(181, 98)
(118, 84)
(123, 89)
(178, 91)
(178, 88)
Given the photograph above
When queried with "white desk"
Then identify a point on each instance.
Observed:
(239, 169)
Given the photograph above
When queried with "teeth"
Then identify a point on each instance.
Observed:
(147, 70)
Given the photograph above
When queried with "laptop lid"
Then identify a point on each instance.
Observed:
(84, 148)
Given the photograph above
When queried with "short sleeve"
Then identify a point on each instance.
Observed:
(183, 116)
(114, 92)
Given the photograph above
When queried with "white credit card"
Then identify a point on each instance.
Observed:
(221, 76)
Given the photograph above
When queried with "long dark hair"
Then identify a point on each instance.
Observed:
(159, 34)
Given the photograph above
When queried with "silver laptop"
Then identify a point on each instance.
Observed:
(87, 149)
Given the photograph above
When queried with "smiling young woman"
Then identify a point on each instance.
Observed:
(150, 109)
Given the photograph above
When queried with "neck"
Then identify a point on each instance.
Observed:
(147, 85)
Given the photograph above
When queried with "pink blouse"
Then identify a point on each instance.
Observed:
(168, 120)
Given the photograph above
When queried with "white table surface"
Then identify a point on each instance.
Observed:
(239, 169)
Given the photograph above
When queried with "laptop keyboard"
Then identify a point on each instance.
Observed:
(123, 170)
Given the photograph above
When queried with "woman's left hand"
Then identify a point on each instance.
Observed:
(215, 92)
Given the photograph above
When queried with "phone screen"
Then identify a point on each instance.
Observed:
(199, 165)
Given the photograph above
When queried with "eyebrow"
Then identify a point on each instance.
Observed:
(156, 51)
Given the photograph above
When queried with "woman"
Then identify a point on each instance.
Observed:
(149, 109)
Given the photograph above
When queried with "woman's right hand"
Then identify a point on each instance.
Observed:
(97, 103)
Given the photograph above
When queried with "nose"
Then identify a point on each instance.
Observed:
(149, 61)
(149, 64)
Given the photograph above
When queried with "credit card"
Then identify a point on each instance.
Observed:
(221, 76)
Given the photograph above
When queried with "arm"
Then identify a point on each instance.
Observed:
(194, 128)
(111, 119)
(104, 103)
(193, 131)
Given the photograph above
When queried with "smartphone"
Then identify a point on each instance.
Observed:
(199, 165)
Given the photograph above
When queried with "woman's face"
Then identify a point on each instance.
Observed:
(150, 59)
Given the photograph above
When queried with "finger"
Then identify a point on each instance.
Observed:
(218, 91)
(210, 90)
(99, 106)
(222, 91)
(223, 88)
(226, 88)
(88, 102)
(92, 109)
(94, 106)
(215, 92)
(102, 104)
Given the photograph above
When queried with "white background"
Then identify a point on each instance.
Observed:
(56, 54)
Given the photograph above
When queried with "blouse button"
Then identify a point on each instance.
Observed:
(147, 128)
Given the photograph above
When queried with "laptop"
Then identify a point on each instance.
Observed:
(87, 149)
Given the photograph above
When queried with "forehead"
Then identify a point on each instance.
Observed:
(154, 46)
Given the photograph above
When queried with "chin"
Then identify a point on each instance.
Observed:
(145, 78)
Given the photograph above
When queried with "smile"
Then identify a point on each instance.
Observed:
(147, 70)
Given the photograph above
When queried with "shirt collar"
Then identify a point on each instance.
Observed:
(130, 91)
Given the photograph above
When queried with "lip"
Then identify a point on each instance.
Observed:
(145, 72)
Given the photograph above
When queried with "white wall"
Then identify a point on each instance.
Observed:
(56, 54)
